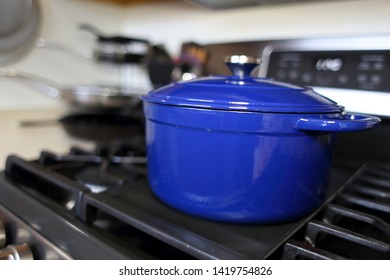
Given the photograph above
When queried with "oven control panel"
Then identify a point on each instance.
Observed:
(362, 70)
(20, 241)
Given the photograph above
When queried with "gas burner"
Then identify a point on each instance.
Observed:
(108, 167)
(98, 180)
(126, 221)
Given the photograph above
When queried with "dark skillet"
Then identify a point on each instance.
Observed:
(103, 128)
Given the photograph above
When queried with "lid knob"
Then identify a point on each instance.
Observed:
(241, 65)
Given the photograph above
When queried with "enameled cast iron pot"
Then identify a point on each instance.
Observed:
(242, 149)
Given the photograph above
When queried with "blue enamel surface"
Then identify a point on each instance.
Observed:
(269, 173)
(242, 94)
(242, 150)
(347, 122)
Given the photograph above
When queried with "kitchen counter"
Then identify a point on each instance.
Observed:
(27, 141)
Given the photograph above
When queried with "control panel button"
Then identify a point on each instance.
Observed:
(364, 65)
(329, 64)
(295, 64)
(281, 75)
(378, 66)
(320, 78)
(307, 77)
(283, 63)
(376, 79)
(351, 69)
(293, 74)
(343, 79)
(362, 78)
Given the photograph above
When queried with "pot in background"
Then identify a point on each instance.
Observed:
(242, 149)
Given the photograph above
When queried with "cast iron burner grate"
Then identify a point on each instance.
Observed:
(354, 225)
(108, 167)
(126, 221)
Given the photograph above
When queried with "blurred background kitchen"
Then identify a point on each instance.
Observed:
(170, 23)
(71, 76)
(57, 41)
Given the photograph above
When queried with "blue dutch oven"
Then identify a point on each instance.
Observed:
(242, 149)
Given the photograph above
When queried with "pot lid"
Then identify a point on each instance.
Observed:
(241, 92)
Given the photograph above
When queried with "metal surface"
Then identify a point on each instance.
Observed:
(84, 53)
(136, 59)
(9, 23)
(363, 101)
(350, 226)
(87, 98)
(119, 223)
(114, 49)
(208, 184)
(316, 228)
(107, 52)
(240, 92)
(248, 131)
(16, 253)
(129, 221)
(20, 232)
(347, 122)
(241, 66)
(231, 4)
(20, 22)
(2, 234)
(61, 230)
(294, 250)
(354, 100)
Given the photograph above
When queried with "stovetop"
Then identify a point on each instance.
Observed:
(65, 198)
(96, 204)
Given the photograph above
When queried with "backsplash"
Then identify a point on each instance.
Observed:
(170, 24)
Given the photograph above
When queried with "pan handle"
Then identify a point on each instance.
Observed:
(39, 83)
(92, 29)
(84, 53)
(348, 122)
(101, 37)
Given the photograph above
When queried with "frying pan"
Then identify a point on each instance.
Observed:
(81, 98)
(117, 48)
(108, 52)
(102, 128)
(156, 60)
(124, 51)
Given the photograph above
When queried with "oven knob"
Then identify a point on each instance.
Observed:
(2, 235)
(16, 252)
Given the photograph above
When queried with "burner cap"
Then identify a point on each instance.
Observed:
(97, 180)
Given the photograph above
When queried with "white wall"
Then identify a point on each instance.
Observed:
(173, 23)
(60, 25)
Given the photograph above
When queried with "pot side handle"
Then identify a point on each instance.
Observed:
(348, 122)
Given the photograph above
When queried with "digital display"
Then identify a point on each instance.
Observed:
(365, 70)
(329, 64)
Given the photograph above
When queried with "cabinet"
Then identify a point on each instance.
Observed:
(129, 2)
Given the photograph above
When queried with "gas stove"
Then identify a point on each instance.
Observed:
(95, 203)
